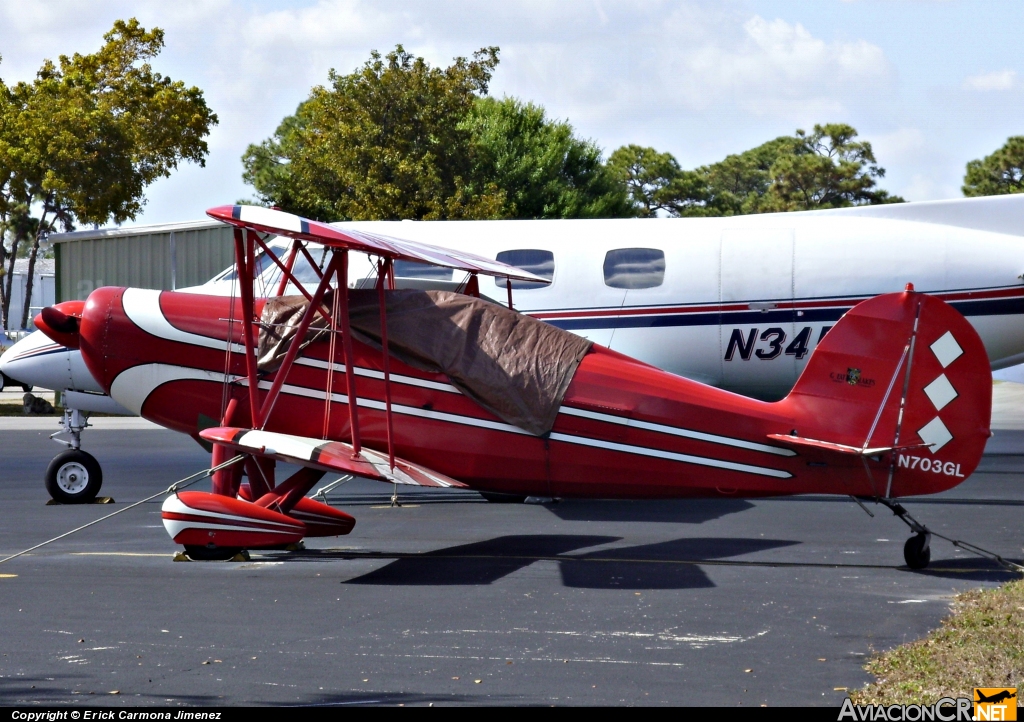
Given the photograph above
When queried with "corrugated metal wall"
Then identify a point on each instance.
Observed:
(143, 260)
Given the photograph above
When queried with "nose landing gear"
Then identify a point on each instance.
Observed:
(73, 476)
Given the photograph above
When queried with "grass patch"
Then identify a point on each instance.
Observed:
(981, 644)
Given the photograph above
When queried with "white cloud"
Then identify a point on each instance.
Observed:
(924, 187)
(999, 80)
(900, 146)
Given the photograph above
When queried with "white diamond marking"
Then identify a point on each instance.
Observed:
(946, 349)
(941, 392)
(935, 434)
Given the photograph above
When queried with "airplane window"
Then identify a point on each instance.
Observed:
(262, 262)
(305, 272)
(634, 268)
(300, 269)
(412, 269)
(536, 261)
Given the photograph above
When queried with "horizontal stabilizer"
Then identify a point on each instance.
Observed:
(332, 456)
(840, 448)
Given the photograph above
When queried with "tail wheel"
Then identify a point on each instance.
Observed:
(917, 551)
(74, 477)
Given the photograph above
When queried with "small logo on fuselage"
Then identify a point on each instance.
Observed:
(852, 377)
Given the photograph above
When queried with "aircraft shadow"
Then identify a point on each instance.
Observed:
(667, 565)
(975, 569)
(478, 563)
(675, 511)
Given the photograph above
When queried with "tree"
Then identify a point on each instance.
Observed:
(652, 179)
(997, 174)
(828, 169)
(83, 141)
(824, 169)
(541, 167)
(387, 141)
(399, 139)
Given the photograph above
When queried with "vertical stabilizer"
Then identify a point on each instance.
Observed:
(906, 372)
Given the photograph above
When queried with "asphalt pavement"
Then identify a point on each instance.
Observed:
(453, 600)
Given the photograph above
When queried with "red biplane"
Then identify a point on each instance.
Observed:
(454, 390)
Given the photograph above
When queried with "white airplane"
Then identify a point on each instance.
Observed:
(736, 302)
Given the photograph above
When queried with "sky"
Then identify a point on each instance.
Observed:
(931, 84)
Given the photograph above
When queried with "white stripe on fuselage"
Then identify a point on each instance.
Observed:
(142, 306)
(159, 374)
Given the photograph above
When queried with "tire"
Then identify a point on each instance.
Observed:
(210, 554)
(74, 477)
(917, 551)
(27, 388)
(497, 498)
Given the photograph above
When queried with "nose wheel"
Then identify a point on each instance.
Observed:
(73, 477)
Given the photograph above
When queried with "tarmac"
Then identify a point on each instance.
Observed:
(451, 600)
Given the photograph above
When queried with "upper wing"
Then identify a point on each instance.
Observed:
(267, 220)
(326, 455)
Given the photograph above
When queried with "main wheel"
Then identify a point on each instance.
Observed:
(74, 477)
(917, 552)
(498, 498)
(211, 554)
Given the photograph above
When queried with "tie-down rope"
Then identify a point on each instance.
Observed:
(175, 487)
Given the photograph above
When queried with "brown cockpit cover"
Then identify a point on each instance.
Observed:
(513, 365)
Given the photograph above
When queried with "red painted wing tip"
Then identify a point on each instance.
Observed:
(224, 434)
(221, 213)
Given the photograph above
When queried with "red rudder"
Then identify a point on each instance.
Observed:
(903, 370)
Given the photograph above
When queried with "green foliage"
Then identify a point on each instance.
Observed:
(399, 139)
(652, 179)
(997, 174)
(384, 142)
(83, 141)
(824, 169)
(980, 644)
(829, 169)
(542, 168)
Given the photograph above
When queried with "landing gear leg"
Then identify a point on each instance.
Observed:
(917, 551)
(74, 476)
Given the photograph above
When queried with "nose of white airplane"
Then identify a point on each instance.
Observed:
(37, 360)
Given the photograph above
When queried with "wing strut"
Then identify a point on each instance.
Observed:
(245, 262)
(386, 274)
(286, 270)
(293, 350)
(289, 264)
(346, 342)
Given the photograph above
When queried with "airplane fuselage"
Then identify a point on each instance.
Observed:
(624, 428)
